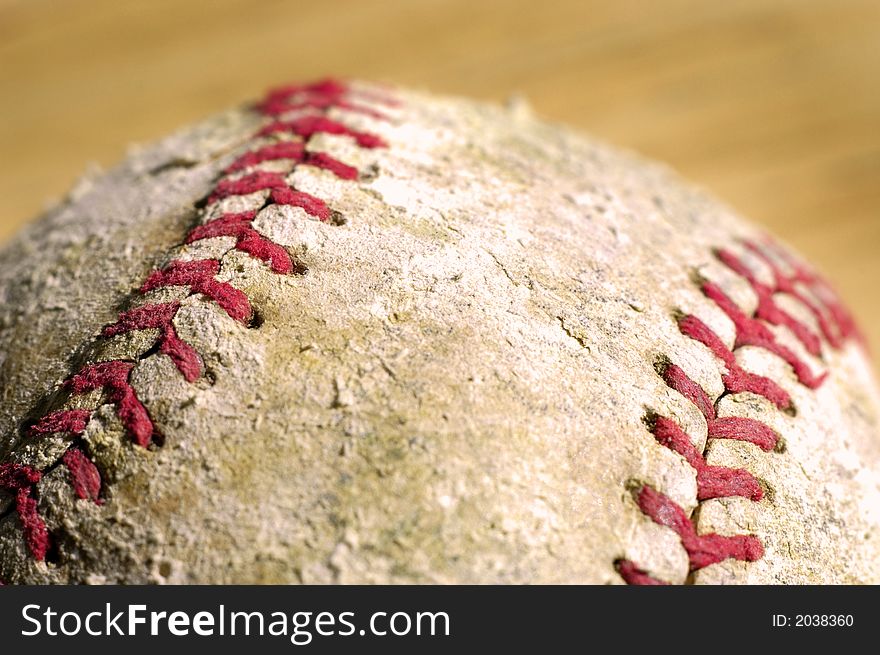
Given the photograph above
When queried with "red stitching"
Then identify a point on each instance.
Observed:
(702, 550)
(720, 481)
(712, 481)
(278, 107)
(152, 316)
(36, 534)
(729, 427)
(322, 96)
(112, 378)
(15, 476)
(752, 332)
(767, 309)
(84, 475)
(71, 420)
(328, 87)
(308, 126)
(741, 428)
(247, 239)
(633, 575)
(835, 322)
(21, 480)
(296, 152)
(199, 275)
(279, 192)
(736, 380)
(677, 379)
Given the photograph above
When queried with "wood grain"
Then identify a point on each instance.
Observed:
(775, 106)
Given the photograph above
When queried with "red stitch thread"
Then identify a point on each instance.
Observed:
(199, 275)
(36, 534)
(767, 309)
(247, 239)
(324, 96)
(251, 183)
(280, 192)
(20, 480)
(729, 427)
(15, 476)
(784, 284)
(325, 88)
(160, 316)
(307, 126)
(328, 163)
(73, 421)
(715, 481)
(741, 428)
(278, 107)
(677, 379)
(736, 380)
(84, 475)
(112, 378)
(843, 324)
(712, 481)
(296, 152)
(293, 150)
(142, 318)
(702, 550)
(751, 332)
(633, 575)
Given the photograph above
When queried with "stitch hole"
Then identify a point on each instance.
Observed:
(10, 509)
(24, 428)
(256, 320)
(662, 364)
(619, 564)
(53, 553)
(268, 202)
(678, 315)
(649, 419)
(768, 489)
(210, 377)
(369, 174)
(634, 487)
(780, 446)
(336, 218)
(698, 278)
(152, 350)
(299, 268)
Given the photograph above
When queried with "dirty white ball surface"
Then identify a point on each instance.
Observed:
(361, 334)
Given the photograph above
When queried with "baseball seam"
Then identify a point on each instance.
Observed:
(835, 325)
(290, 138)
(282, 138)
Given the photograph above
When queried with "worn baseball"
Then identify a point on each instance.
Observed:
(359, 334)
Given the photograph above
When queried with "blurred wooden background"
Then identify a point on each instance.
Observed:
(773, 104)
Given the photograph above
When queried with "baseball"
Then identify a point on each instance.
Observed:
(354, 333)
